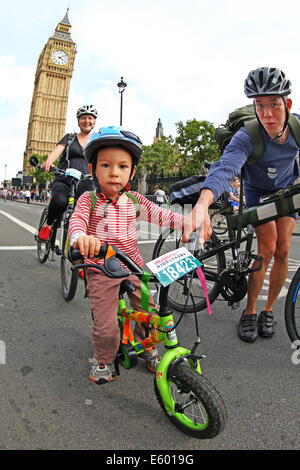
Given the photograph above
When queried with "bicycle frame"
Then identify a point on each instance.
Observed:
(162, 323)
(164, 332)
(186, 397)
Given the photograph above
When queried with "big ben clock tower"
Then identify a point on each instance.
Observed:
(53, 75)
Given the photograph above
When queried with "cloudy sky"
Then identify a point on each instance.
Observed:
(180, 59)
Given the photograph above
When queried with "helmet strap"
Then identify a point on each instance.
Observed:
(280, 134)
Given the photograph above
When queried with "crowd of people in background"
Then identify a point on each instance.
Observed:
(26, 194)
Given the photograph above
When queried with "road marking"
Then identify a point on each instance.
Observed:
(19, 222)
(13, 248)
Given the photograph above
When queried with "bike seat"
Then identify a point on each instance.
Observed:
(126, 286)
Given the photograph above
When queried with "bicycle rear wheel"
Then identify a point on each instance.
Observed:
(196, 407)
(218, 223)
(178, 298)
(69, 278)
(292, 308)
(43, 248)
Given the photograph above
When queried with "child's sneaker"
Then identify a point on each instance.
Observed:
(101, 373)
(151, 357)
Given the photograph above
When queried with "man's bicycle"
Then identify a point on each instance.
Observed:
(292, 308)
(69, 278)
(225, 276)
(218, 217)
(186, 397)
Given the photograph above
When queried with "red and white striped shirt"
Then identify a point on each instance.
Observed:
(116, 223)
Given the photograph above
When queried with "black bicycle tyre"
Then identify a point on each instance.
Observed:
(43, 248)
(69, 279)
(292, 308)
(176, 294)
(217, 222)
(209, 404)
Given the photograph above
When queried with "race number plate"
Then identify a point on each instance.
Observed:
(172, 266)
(74, 173)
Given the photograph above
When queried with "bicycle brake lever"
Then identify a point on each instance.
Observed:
(192, 242)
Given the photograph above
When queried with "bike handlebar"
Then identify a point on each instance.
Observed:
(57, 171)
(111, 267)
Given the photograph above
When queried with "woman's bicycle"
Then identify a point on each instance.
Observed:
(69, 278)
(292, 309)
(186, 397)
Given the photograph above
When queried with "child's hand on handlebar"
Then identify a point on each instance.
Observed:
(88, 245)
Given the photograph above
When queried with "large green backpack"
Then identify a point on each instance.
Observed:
(245, 116)
(131, 196)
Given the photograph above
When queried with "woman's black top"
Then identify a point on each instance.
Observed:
(76, 157)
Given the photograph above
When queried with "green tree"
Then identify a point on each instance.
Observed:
(40, 176)
(195, 143)
(159, 156)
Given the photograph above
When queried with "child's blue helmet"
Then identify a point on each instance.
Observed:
(113, 136)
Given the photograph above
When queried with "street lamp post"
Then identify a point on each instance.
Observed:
(121, 85)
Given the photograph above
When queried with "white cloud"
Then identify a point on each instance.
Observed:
(16, 86)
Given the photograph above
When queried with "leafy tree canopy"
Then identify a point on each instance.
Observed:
(41, 177)
(195, 143)
(159, 156)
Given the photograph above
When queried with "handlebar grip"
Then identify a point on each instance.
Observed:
(75, 255)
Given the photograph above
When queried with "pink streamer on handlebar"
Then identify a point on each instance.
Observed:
(204, 287)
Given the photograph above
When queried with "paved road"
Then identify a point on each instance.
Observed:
(47, 401)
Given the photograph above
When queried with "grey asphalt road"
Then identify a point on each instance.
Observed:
(47, 401)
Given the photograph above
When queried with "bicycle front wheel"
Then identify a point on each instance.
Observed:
(69, 278)
(292, 308)
(218, 223)
(43, 248)
(197, 408)
(184, 295)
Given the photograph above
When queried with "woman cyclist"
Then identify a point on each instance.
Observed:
(70, 151)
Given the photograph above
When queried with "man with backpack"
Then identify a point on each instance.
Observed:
(275, 168)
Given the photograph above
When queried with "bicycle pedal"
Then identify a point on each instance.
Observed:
(234, 305)
(117, 368)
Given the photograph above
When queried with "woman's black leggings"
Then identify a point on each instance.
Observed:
(60, 191)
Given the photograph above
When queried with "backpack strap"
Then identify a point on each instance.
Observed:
(253, 130)
(294, 125)
(135, 202)
(131, 196)
(65, 155)
(94, 201)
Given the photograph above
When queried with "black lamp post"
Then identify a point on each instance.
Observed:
(121, 85)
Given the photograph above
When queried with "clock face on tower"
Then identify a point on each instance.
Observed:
(60, 57)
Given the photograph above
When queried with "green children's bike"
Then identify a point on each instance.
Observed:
(186, 397)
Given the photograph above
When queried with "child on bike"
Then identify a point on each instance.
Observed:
(113, 155)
